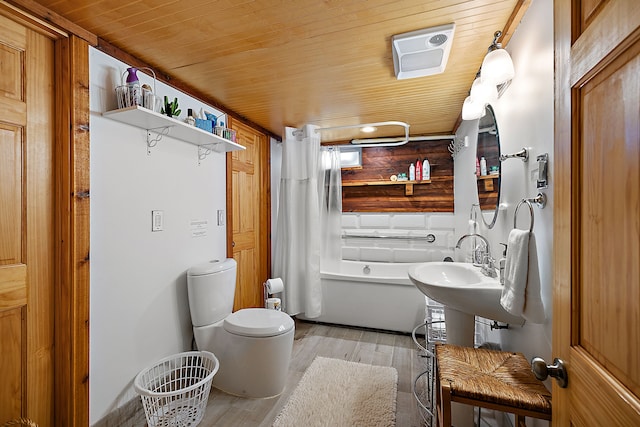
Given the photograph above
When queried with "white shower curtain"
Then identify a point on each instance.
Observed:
(297, 246)
(330, 193)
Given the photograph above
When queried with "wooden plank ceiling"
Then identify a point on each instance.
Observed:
(290, 62)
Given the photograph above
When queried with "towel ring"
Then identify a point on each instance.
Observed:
(515, 214)
(540, 200)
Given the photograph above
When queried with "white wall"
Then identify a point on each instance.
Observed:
(139, 306)
(525, 119)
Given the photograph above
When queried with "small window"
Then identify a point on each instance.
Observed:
(350, 157)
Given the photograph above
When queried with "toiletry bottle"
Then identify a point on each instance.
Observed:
(503, 263)
(133, 85)
(190, 120)
(418, 170)
(483, 166)
(477, 167)
(412, 172)
(426, 170)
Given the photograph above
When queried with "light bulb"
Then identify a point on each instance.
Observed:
(497, 67)
(483, 92)
(472, 110)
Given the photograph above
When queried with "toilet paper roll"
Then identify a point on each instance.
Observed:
(274, 304)
(274, 285)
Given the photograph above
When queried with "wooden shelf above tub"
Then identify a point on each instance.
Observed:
(408, 185)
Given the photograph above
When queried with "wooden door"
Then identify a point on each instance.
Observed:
(248, 214)
(596, 328)
(26, 225)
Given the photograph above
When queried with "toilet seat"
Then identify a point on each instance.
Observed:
(258, 322)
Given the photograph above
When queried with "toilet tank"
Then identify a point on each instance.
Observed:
(211, 287)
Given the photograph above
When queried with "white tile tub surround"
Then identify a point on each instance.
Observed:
(408, 221)
(441, 225)
(375, 221)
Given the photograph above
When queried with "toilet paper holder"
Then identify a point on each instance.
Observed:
(270, 287)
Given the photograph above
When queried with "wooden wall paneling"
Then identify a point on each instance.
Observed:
(72, 196)
(378, 164)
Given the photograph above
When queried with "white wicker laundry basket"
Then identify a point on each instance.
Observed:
(175, 390)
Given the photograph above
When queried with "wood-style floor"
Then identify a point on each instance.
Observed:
(311, 340)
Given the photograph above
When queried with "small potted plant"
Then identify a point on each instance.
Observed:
(171, 108)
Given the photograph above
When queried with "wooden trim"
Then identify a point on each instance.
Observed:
(72, 233)
(50, 19)
(229, 191)
(30, 21)
(265, 192)
(562, 211)
(514, 20)
(178, 84)
(71, 204)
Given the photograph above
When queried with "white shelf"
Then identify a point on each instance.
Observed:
(156, 122)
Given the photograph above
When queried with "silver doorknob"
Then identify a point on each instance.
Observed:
(541, 370)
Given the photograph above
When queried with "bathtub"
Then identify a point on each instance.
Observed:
(373, 295)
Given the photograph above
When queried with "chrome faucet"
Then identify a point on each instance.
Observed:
(488, 263)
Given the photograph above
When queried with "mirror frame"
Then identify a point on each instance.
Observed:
(489, 225)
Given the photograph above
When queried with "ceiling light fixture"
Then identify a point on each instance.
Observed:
(422, 52)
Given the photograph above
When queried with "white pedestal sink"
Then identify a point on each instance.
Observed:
(465, 292)
(462, 287)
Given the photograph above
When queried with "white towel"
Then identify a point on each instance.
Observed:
(533, 305)
(521, 292)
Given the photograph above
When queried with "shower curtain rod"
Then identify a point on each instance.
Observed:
(387, 123)
(382, 142)
(386, 142)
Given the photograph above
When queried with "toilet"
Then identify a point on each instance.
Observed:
(253, 345)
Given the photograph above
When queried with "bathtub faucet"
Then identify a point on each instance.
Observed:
(487, 264)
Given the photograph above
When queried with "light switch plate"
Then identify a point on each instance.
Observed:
(221, 217)
(157, 220)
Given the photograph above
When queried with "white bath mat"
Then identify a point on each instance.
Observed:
(338, 393)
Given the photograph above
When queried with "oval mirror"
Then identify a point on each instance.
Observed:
(488, 168)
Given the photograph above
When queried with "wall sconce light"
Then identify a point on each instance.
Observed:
(497, 66)
(497, 69)
(485, 92)
(472, 109)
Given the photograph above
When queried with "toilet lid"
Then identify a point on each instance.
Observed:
(258, 322)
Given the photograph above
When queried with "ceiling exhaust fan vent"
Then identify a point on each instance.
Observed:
(423, 52)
